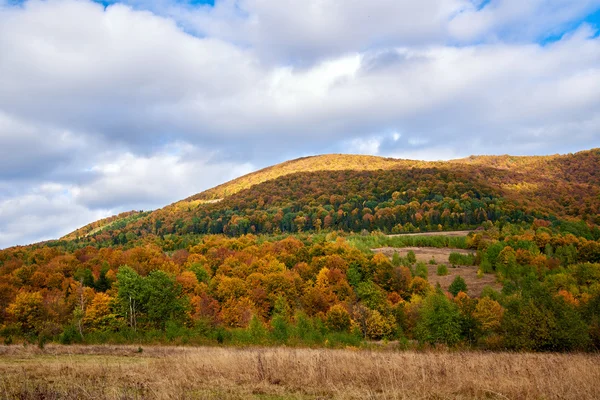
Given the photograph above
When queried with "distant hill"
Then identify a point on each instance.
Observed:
(355, 192)
(113, 221)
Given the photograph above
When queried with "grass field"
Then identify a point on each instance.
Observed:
(129, 372)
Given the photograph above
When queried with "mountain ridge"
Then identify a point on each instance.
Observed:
(518, 180)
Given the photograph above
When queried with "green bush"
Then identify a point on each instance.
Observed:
(69, 335)
(461, 259)
(458, 285)
(421, 270)
(442, 270)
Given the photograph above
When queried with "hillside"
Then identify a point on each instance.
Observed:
(328, 162)
(353, 193)
(270, 258)
(114, 221)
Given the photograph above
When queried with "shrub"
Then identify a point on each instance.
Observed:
(461, 259)
(421, 270)
(280, 330)
(442, 270)
(69, 335)
(411, 257)
(458, 285)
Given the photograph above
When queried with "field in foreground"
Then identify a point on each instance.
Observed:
(128, 372)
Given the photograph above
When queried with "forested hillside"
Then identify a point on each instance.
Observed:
(353, 193)
(285, 257)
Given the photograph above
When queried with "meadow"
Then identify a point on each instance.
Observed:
(163, 372)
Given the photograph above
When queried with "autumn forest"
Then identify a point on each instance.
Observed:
(285, 256)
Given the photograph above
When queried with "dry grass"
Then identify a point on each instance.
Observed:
(120, 372)
(440, 255)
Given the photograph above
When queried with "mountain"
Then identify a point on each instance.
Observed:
(355, 192)
(158, 277)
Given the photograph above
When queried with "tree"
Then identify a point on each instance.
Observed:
(162, 299)
(457, 285)
(237, 313)
(371, 295)
(439, 322)
(99, 315)
(526, 326)
(442, 270)
(421, 270)
(338, 319)
(28, 311)
(378, 326)
(488, 314)
(103, 283)
(130, 295)
(411, 257)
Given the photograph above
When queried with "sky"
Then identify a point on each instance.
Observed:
(111, 106)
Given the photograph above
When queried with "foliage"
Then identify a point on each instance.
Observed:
(458, 285)
(440, 321)
(461, 259)
(305, 289)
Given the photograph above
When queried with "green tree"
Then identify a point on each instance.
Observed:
(421, 270)
(440, 320)
(162, 299)
(130, 295)
(154, 300)
(526, 326)
(411, 257)
(458, 285)
(371, 295)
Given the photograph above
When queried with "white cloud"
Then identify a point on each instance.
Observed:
(519, 20)
(302, 31)
(41, 215)
(369, 146)
(428, 154)
(121, 182)
(143, 182)
(105, 110)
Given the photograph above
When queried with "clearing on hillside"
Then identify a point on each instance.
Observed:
(475, 284)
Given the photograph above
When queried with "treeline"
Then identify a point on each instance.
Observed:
(318, 289)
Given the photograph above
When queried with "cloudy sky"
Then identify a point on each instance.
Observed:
(111, 106)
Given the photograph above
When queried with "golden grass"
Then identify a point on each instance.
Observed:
(121, 372)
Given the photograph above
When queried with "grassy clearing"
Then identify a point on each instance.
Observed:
(122, 372)
(457, 262)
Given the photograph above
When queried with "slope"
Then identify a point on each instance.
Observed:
(364, 192)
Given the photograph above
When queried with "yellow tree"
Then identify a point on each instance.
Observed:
(98, 315)
(488, 314)
(28, 311)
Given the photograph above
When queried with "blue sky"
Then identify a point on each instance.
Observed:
(112, 106)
